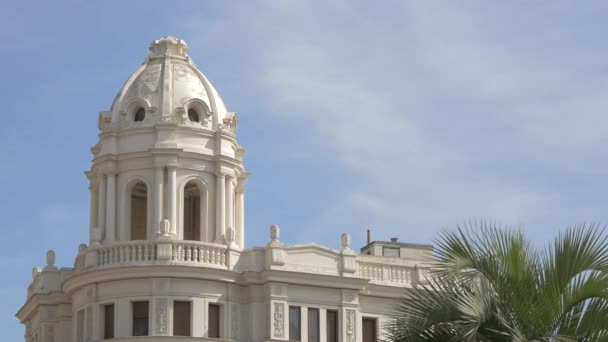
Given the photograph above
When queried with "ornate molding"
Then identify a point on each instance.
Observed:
(351, 326)
(349, 296)
(161, 316)
(278, 320)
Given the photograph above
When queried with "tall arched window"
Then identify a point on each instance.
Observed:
(139, 211)
(192, 212)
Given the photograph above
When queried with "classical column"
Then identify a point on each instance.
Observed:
(158, 197)
(111, 207)
(92, 211)
(101, 203)
(220, 216)
(172, 194)
(240, 215)
(230, 202)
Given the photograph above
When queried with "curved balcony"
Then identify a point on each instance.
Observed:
(154, 252)
(308, 258)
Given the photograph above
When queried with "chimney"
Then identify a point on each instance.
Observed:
(369, 236)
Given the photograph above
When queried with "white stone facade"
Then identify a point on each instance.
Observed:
(167, 188)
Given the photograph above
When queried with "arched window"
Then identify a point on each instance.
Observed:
(192, 212)
(193, 115)
(139, 211)
(140, 114)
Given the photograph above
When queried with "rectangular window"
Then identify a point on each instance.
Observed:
(140, 318)
(181, 318)
(390, 251)
(214, 321)
(332, 326)
(80, 326)
(108, 321)
(295, 331)
(369, 329)
(313, 325)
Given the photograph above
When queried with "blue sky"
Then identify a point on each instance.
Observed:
(404, 116)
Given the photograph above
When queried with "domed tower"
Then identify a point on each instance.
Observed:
(166, 255)
(167, 162)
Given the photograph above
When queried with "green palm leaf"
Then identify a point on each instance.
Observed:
(489, 284)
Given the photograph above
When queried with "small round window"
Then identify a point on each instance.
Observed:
(192, 115)
(140, 115)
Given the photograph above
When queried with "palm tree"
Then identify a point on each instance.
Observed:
(490, 284)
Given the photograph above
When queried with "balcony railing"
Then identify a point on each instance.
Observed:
(380, 270)
(142, 252)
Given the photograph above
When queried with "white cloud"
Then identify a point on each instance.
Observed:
(438, 113)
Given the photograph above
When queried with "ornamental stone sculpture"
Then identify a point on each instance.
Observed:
(35, 272)
(165, 228)
(230, 236)
(275, 232)
(50, 260)
(345, 241)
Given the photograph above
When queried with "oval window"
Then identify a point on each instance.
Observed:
(140, 115)
(192, 115)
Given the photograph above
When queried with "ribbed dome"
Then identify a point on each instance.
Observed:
(167, 82)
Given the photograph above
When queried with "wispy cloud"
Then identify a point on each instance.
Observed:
(434, 113)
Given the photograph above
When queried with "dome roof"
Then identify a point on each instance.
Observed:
(168, 82)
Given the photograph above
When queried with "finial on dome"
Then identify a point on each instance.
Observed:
(168, 45)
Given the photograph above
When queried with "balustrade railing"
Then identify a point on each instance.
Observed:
(386, 273)
(188, 252)
(193, 253)
(131, 252)
(147, 252)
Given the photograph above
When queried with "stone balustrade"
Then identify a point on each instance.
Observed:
(160, 252)
(199, 253)
(298, 258)
(390, 273)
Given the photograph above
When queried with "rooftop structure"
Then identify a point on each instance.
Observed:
(166, 259)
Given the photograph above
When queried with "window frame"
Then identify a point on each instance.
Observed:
(336, 325)
(133, 302)
(310, 321)
(104, 320)
(189, 316)
(137, 112)
(376, 327)
(297, 309)
(194, 112)
(220, 310)
(385, 248)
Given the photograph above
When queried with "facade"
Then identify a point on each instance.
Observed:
(166, 260)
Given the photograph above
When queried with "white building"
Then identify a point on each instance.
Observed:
(166, 256)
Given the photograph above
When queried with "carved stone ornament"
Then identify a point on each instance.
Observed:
(165, 228)
(345, 240)
(351, 326)
(275, 233)
(50, 258)
(82, 248)
(278, 320)
(35, 272)
(162, 319)
(230, 235)
(349, 297)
